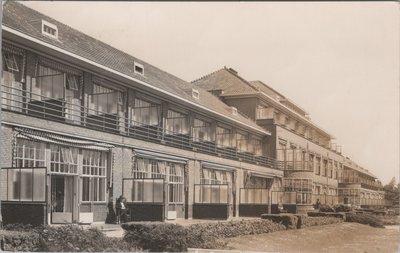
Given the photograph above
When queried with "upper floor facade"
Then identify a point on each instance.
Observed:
(297, 143)
(48, 74)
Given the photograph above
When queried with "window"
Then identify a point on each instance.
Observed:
(176, 123)
(138, 68)
(201, 130)
(72, 82)
(93, 180)
(213, 176)
(10, 61)
(104, 100)
(256, 145)
(234, 111)
(149, 169)
(223, 136)
(49, 29)
(49, 84)
(242, 142)
(318, 165)
(302, 187)
(175, 183)
(63, 159)
(264, 113)
(29, 154)
(145, 113)
(214, 186)
(195, 94)
(23, 184)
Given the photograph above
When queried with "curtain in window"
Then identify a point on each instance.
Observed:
(68, 193)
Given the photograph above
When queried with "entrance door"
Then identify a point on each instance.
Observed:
(62, 198)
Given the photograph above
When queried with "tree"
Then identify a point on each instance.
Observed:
(392, 191)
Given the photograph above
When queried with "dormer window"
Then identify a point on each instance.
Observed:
(195, 94)
(138, 68)
(49, 29)
(234, 111)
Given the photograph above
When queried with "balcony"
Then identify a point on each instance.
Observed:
(296, 165)
(71, 112)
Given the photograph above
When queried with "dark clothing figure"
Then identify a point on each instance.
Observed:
(317, 204)
(111, 217)
(121, 208)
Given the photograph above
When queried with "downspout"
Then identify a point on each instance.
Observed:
(1, 77)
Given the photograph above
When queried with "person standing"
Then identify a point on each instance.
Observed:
(121, 208)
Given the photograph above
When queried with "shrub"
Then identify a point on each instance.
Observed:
(364, 219)
(326, 208)
(157, 236)
(389, 219)
(288, 220)
(306, 221)
(19, 241)
(342, 208)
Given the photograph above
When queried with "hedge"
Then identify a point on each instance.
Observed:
(306, 221)
(366, 219)
(158, 236)
(70, 238)
(20, 241)
(288, 220)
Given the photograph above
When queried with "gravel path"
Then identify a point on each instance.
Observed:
(342, 237)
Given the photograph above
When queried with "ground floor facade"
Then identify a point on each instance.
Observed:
(54, 173)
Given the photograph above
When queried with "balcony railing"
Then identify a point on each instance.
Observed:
(296, 165)
(70, 111)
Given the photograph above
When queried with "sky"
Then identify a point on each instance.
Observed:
(338, 61)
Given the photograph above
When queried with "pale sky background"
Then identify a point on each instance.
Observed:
(339, 61)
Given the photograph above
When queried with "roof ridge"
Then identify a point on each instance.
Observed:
(207, 75)
(241, 78)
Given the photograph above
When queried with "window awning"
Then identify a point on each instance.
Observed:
(217, 166)
(159, 156)
(260, 174)
(62, 140)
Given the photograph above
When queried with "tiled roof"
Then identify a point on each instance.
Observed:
(226, 80)
(25, 20)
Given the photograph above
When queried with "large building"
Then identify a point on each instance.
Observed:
(83, 123)
(359, 187)
(312, 162)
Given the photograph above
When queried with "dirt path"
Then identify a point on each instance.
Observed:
(342, 237)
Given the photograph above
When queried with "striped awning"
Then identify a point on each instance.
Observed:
(62, 140)
(217, 166)
(159, 156)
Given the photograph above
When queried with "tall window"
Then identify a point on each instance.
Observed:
(94, 175)
(176, 123)
(201, 130)
(104, 100)
(11, 81)
(324, 168)
(223, 136)
(242, 142)
(302, 187)
(318, 165)
(63, 159)
(145, 113)
(256, 146)
(175, 183)
(29, 154)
